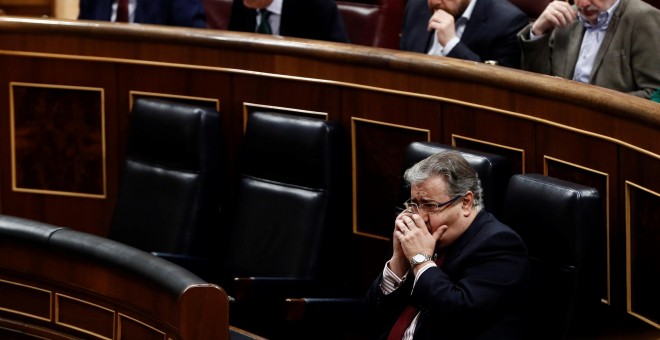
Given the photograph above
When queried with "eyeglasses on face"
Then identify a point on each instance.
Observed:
(427, 207)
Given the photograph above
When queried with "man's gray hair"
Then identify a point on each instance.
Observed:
(457, 173)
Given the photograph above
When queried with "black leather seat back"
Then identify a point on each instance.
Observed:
(293, 196)
(558, 221)
(494, 171)
(169, 193)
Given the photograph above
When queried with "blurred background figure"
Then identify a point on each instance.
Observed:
(309, 19)
(188, 13)
(609, 43)
(477, 30)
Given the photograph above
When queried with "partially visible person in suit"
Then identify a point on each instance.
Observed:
(456, 272)
(477, 30)
(189, 13)
(309, 19)
(609, 43)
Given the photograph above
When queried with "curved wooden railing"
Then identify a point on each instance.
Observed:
(59, 283)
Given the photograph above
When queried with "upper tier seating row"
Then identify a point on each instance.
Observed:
(375, 23)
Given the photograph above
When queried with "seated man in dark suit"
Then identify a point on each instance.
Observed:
(189, 13)
(456, 272)
(309, 19)
(477, 30)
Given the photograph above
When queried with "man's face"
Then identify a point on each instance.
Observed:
(256, 4)
(433, 190)
(453, 7)
(589, 9)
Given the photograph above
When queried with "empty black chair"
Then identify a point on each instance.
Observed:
(168, 201)
(494, 171)
(559, 221)
(292, 212)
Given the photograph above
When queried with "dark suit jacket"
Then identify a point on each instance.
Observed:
(478, 293)
(188, 13)
(490, 34)
(309, 19)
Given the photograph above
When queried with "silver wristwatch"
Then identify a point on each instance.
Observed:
(419, 258)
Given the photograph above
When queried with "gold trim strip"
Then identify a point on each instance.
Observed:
(629, 307)
(50, 302)
(131, 96)
(502, 146)
(58, 322)
(121, 316)
(329, 82)
(354, 166)
(278, 108)
(12, 135)
(547, 158)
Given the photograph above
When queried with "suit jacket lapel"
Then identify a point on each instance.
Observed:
(607, 40)
(572, 51)
(104, 10)
(478, 17)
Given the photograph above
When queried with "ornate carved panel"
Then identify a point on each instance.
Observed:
(57, 140)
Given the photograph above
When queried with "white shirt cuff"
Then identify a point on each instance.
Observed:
(450, 45)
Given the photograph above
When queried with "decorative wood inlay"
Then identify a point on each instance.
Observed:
(57, 140)
(378, 151)
(575, 173)
(130, 328)
(212, 103)
(25, 300)
(84, 316)
(515, 155)
(642, 259)
(251, 107)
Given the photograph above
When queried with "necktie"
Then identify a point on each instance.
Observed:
(264, 25)
(122, 11)
(408, 314)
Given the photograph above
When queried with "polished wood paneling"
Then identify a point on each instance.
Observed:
(79, 148)
(130, 328)
(84, 316)
(580, 158)
(69, 296)
(643, 261)
(25, 300)
(58, 140)
(385, 98)
(377, 150)
(489, 130)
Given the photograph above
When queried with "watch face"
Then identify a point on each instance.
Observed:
(419, 258)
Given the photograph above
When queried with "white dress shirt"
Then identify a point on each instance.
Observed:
(132, 5)
(275, 9)
(593, 38)
(439, 50)
(392, 282)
